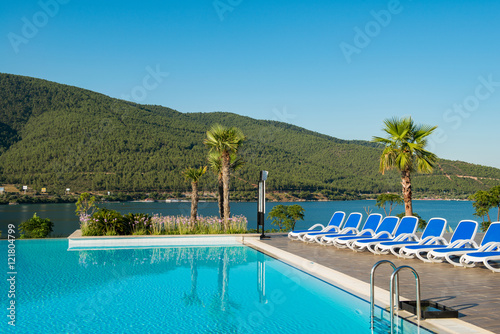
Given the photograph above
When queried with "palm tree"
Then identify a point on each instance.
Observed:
(224, 141)
(215, 162)
(192, 298)
(391, 199)
(194, 175)
(405, 151)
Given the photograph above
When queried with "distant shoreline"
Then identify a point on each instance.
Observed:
(32, 200)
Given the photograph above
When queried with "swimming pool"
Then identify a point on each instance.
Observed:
(233, 289)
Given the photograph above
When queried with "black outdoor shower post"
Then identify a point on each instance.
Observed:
(261, 205)
(261, 277)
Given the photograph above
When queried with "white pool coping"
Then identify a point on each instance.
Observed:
(362, 289)
(76, 241)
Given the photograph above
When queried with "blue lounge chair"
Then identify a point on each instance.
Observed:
(385, 229)
(489, 252)
(350, 227)
(369, 228)
(490, 242)
(463, 236)
(405, 231)
(333, 226)
(470, 259)
(431, 235)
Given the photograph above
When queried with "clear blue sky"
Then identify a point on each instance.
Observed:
(336, 67)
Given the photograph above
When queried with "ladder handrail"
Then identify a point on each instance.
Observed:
(391, 292)
(372, 287)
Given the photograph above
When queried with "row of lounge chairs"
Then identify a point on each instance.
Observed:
(392, 235)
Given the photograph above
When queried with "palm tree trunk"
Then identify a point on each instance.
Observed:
(194, 204)
(194, 277)
(221, 196)
(406, 182)
(225, 181)
(223, 280)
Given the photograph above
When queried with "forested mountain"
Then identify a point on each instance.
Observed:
(58, 136)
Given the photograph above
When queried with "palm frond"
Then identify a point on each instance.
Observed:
(224, 139)
(381, 140)
(194, 174)
(214, 161)
(236, 162)
(404, 145)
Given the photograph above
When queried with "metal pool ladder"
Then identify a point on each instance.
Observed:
(394, 287)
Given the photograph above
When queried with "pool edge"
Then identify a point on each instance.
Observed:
(362, 289)
(77, 241)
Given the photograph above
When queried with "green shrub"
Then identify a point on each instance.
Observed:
(85, 204)
(285, 216)
(88, 229)
(36, 227)
(106, 222)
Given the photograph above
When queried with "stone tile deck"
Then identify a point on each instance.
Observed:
(475, 292)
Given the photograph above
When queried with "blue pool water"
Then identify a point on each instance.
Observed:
(172, 290)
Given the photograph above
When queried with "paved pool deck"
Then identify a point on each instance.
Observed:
(474, 292)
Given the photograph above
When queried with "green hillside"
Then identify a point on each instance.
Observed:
(58, 136)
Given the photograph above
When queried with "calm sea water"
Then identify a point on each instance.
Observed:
(66, 222)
